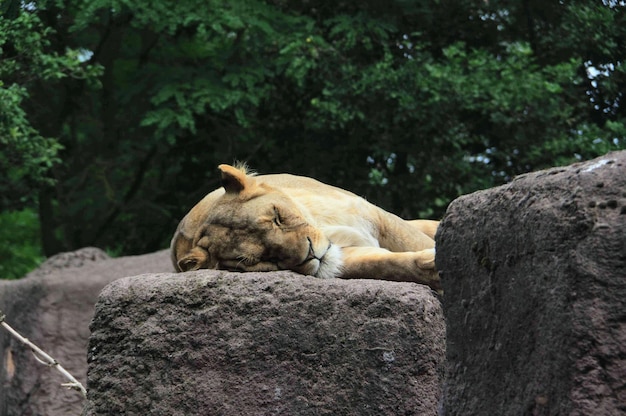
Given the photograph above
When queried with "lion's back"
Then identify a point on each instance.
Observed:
(305, 185)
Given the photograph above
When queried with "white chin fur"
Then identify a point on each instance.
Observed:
(331, 263)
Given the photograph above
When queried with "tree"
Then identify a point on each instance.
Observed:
(407, 103)
(26, 155)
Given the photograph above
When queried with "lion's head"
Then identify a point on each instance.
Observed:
(254, 227)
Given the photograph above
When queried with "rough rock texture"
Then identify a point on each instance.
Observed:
(219, 343)
(534, 275)
(53, 307)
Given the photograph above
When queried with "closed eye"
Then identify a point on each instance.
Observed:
(278, 221)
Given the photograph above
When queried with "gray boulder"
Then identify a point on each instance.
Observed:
(534, 276)
(219, 343)
(53, 307)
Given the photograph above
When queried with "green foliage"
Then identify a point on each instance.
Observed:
(25, 155)
(20, 251)
(407, 103)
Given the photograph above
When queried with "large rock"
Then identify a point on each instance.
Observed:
(219, 343)
(53, 307)
(534, 276)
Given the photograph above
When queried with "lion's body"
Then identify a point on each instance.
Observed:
(274, 222)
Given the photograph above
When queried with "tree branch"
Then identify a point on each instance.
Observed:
(44, 358)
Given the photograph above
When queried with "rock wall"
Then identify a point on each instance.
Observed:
(219, 343)
(534, 275)
(53, 307)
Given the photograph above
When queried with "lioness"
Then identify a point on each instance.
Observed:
(287, 222)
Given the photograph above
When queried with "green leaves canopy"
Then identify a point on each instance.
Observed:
(407, 103)
(25, 60)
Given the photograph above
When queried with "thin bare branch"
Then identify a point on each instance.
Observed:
(44, 358)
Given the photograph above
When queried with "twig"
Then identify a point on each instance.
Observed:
(44, 358)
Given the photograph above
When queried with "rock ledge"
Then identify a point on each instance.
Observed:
(213, 342)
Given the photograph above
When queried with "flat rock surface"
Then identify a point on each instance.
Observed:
(534, 276)
(220, 343)
(53, 307)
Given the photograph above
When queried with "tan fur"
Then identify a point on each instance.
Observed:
(428, 227)
(287, 222)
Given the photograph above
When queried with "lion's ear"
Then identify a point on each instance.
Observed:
(234, 180)
(192, 261)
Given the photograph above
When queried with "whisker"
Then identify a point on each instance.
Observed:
(246, 260)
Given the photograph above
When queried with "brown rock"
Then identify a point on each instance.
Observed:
(219, 343)
(534, 275)
(53, 307)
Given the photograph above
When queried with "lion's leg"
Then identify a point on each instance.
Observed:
(379, 263)
(428, 227)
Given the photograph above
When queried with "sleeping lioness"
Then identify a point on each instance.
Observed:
(287, 222)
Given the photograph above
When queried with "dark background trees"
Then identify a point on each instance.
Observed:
(115, 114)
